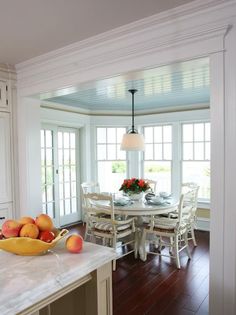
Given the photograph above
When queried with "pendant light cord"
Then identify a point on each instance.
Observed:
(132, 91)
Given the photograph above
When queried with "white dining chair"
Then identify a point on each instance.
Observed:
(113, 230)
(87, 187)
(192, 189)
(153, 184)
(174, 230)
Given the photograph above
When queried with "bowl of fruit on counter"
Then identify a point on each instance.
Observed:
(28, 236)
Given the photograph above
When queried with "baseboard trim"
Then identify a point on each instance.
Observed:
(203, 224)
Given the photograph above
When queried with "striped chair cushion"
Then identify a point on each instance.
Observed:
(104, 226)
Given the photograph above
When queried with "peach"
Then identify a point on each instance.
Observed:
(29, 230)
(11, 228)
(24, 220)
(44, 222)
(74, 243)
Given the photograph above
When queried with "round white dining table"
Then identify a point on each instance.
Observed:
(141, 208)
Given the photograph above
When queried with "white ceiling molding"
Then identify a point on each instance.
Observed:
(78, 110)
(82, 61)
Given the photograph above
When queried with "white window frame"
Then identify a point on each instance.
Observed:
(108, 160)
(202, 203)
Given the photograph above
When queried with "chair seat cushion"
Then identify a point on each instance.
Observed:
(167, 225)
(108, 227)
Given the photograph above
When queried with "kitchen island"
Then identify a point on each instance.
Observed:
(57, 283)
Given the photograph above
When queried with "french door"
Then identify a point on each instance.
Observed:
(60, 174)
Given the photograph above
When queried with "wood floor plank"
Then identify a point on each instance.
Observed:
(156, 287)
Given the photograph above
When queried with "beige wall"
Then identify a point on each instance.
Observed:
(203, 213)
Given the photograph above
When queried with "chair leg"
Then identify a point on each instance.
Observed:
(177, 251)
(136, 244)
(171, 246)
(193, 236)
(186, 244)
(114, 246)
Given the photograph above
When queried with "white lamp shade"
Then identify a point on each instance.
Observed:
(132, 142)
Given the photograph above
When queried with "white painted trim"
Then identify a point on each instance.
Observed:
(203, 224)
(134, 47)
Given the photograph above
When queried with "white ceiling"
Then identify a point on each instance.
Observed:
(29, 28)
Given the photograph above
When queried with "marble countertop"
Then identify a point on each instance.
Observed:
(26, 280)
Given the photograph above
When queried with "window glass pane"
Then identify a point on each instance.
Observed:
(59, 139)
(66, 157)
(43, 175)
(49, 193)
(160, 172)
(61, 191)
(44, 210)
(199, 151)
(187, 151)
(120, 132)
(158, 152)
(101, 151)
(198, 172)
(72, 140)
(167, 151)
(43, 194)
(49, 156)
(67, 190)
(121, 155)
(42, 138)
(207, 151)
(62, 208)
(148, 134)
(101, 135)
(111, 135)
(61, 177)
(48, 138)
(67, 206)
(66, 139)
(198, 132)
(158, 134)
(66, 173)
(207, 132)
(60, 156)
(167, 133)
(73, 173)
(73, 205)
(50, 211)
(187, 132)
(49, 175)
(73, 189)
(72, 157)
(111, 151)
(148, 152)
(111, 175)
(42, 157)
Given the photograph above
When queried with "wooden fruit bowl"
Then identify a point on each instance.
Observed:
(26, 246)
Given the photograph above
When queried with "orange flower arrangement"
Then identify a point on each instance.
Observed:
(134, 186)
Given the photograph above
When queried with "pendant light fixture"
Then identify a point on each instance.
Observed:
(132, 140)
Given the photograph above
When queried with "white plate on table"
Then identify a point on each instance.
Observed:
(121, 201)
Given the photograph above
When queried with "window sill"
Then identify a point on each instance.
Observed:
(204, 205)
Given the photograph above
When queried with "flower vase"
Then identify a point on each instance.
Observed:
(135, 196)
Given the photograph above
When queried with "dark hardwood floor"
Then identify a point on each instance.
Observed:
(156, 287)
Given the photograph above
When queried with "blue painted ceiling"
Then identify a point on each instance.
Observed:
(169, 86)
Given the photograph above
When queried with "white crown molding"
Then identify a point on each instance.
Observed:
(165, 17)
(87, 112)
(196, 21)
